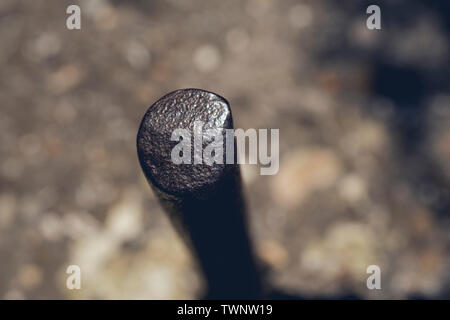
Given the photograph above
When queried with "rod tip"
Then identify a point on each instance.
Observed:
(180, 109)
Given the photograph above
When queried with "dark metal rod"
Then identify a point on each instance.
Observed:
(204, 202)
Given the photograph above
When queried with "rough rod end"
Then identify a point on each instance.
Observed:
(180, 109)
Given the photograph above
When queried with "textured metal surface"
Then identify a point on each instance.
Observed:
(180, 109)
(204, 203)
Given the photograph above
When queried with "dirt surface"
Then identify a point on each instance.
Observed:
(364, 125)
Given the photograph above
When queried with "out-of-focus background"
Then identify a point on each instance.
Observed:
(364, 119)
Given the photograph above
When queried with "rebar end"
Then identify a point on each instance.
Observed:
(180, 110)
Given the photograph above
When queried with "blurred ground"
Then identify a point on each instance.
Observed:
(364, 142)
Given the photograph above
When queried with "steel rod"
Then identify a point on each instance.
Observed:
(204, 202)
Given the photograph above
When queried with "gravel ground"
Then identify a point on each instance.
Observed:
(364, 143)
